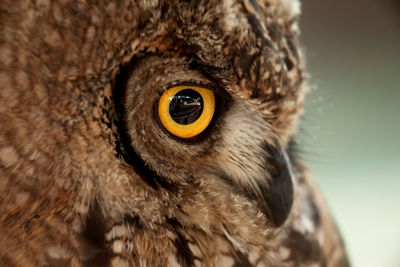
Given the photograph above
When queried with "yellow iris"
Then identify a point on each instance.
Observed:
(186, 111)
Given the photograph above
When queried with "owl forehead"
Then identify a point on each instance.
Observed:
(250, 47)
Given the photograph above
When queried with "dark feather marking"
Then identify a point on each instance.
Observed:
(256, 70)
(94, 234)
(184, 255)
(6, 261)
(304, 250)
(258, 30)
(245, 61)
(289, 64)
(241, 260)
(256, 6)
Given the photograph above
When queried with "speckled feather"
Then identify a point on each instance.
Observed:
(88, 176)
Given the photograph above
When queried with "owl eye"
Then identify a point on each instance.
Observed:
(186, 111)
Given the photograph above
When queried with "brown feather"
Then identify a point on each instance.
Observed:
(89, 178)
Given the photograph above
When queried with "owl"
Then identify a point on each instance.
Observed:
(156, 133)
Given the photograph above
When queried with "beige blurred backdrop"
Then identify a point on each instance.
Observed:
(350, 136)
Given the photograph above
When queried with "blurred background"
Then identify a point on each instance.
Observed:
(350, 133)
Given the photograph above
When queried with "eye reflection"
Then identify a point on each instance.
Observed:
(186, 106)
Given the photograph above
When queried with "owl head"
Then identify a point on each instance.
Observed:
(168, 112)
(210, 100)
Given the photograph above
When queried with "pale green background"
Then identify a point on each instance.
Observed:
(350, 134)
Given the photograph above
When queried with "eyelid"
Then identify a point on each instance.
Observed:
(194, 83)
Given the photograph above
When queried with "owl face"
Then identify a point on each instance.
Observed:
(250, 65)
(165, 119)
(238, 150)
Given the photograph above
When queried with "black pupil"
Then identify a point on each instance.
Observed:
(186, 106)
